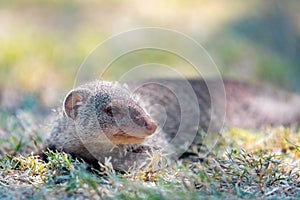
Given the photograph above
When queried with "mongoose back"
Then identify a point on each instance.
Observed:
(105, 119)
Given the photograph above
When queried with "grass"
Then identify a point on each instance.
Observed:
(244, 164)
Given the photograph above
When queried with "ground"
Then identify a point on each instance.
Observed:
(243, 164)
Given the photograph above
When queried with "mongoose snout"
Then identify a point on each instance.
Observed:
(151, 127)
(142, 121)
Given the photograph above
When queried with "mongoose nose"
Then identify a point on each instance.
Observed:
(151, 127)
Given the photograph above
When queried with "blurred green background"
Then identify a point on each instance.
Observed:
(43, 43)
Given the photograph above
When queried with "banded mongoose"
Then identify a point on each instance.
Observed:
(106, 119)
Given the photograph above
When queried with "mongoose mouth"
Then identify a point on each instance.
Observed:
(137, 136)
(124, 138)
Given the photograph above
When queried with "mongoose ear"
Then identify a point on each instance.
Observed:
(73, 101)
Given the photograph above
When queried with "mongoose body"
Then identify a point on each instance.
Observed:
(106, 119)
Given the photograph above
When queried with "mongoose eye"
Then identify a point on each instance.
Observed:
(112, 111)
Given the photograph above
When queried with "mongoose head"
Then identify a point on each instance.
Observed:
(107, 109)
